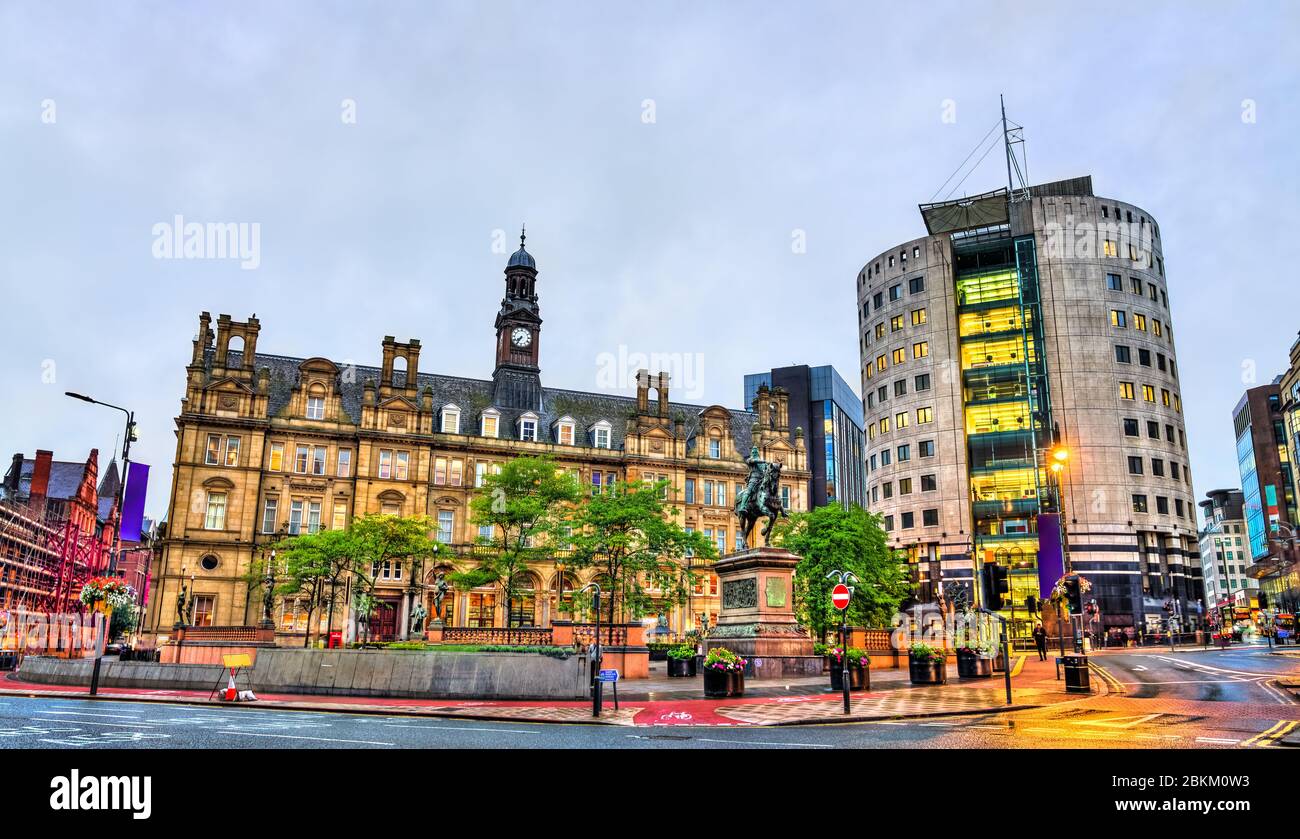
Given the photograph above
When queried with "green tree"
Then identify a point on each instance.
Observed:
(525, 505)
(393, 542)
(311, 568)
(850, 539)
(631, 537)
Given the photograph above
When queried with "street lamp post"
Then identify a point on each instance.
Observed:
(126, 462)
(595, 655)
(117, 534)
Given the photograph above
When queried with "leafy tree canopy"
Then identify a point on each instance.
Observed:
(840, 538)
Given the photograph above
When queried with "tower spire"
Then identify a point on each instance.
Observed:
(523, 230)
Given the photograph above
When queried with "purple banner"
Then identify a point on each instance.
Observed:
(1051, 561)
(137, 482)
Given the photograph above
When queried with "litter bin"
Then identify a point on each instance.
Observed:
(335, 639)
(8, 661)
(1076, 674)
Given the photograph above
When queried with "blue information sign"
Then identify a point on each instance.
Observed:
(607, 676)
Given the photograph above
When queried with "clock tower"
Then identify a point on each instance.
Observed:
(516, 381)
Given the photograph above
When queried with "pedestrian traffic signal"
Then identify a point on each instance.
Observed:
(995, 586)
(1031, 604)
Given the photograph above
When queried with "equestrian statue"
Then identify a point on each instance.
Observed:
(760, 497)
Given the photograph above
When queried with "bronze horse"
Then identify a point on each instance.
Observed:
(760, 497)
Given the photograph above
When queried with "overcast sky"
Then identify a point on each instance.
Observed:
(666, 157)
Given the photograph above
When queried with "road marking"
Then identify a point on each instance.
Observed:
(1223, 740)
(765, 743)
(93, 722)
(301, 737)
(1224, 670)
(456, 728)
(1277, 693)
(1264, 734)
(1119, 722)
(1138, 668)
(1272, 738)
(1020, 662)
(92, 714)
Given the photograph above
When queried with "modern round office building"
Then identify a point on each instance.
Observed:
(1023, 407)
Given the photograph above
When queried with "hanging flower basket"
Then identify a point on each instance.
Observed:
(106, 594)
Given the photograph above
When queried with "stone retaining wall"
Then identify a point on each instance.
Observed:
(382, 673)
(48, 670)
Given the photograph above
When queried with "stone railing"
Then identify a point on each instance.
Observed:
(239, 634)
(530, 636)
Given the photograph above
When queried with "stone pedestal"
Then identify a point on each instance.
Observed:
(757, 619)
(433, 632)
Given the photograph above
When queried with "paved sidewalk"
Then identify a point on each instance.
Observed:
(662, 701)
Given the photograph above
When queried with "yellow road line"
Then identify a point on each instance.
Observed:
(1020, 662)
(1279, 734)
(1111, 681)
(1265, 734)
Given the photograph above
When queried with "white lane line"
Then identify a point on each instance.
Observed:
(93, 722)
(1223, 740)
(1225, 671)
(458, 728)
(93, 714)
(301, 737)
(765, 743)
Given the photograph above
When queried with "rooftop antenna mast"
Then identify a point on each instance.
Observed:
(1014, 135)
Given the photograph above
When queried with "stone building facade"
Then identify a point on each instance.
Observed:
(268, 444)
(1024, 324)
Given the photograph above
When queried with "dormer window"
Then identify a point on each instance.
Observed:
(316, 407)
(715, 448)
(528, 427)
(451, 420)
(490, 423)
(601, 435)
(565, 431)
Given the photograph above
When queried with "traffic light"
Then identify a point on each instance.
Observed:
(1073, 594)
(1031, 604)
(994, 586)
(1263, 600)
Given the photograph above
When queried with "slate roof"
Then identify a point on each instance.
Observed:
(65, 478)
(474, 395)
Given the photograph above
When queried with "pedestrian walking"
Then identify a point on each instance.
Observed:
(1040, 641)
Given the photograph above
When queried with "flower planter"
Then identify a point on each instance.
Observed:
(681, 667)
(859, 677)
(927, 672)
(971, 665)
(724, 684)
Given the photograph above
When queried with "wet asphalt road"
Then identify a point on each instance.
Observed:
(1186, 700)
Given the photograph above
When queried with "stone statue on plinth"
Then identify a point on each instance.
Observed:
(761, 497)
(440, 592)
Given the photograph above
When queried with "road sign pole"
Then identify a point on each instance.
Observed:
(841, 596)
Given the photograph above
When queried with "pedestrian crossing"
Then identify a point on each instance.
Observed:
(914, 702)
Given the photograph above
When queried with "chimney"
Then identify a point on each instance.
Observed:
(662, 388)
(14, 476)
(40, 486)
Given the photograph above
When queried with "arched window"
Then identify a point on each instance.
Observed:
(523, 606)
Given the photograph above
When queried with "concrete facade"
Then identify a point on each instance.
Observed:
(1093, 331)
(1225, 549)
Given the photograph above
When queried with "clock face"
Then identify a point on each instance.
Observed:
(521, 337)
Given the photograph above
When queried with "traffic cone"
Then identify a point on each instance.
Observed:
(231, 691)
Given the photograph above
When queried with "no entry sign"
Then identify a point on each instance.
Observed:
(840, 597)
